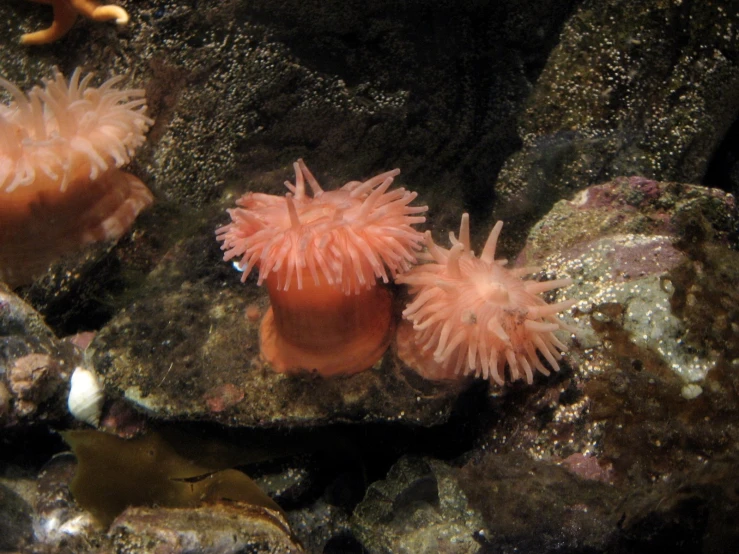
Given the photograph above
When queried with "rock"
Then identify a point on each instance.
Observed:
(627, 244)
(647, 89)
(58, 520)
(19, 319)
(16, 529)
(35, 366)
(420, 508)
(533, 506)
(323, 527)
(694, 512)
(653, 267)
(223, 528)
(185, 349)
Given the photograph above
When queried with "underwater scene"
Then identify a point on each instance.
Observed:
(384, 277)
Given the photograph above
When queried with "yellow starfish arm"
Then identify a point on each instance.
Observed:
(95, 11)
(64, 17)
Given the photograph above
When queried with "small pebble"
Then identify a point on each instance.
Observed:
(691, 391)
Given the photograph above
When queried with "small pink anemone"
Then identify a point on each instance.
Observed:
(472, 315)
(321, 257)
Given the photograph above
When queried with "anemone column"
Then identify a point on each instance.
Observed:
(321, 257)
(320, 327)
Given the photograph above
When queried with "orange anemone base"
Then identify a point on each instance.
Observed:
(320, 328)
(38, 225)
(411, 354)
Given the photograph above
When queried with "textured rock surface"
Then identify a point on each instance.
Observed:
(538, 507)
(418, 508)
(240, 87)
(35, 366)
(220, 528)
(631, 89)
(650, 388)
(15, 521)
(186, 350)
(628, 244)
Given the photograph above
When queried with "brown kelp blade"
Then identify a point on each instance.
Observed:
(115, 473)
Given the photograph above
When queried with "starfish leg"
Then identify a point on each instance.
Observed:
(64, 17)
(95, 11)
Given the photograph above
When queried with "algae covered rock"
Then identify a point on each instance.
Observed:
(419, 507)
(185, 349)
(631, 89)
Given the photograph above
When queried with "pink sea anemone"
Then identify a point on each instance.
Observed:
(60, 186)
(321, 257)
(473, 315)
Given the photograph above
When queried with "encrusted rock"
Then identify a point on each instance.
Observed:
(631, 89)
(219, 528)
(421, 508)
(185, 350)
(627, 245)
(654, 274)
(16, 529)
(35, 366)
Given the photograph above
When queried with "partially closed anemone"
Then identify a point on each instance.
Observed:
(473, 315)
(61, 147)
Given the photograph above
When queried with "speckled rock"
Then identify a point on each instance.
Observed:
(217, 529)
(624, 243)
(185, 349)
(534, 506)
(650, 384)
(418, 509)
(16, 528)
(35, 366)
(635, 206)
(244, 87)
(631, 88)
(324, 527)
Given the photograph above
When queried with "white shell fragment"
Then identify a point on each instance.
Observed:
(691, 391)
(86, 396)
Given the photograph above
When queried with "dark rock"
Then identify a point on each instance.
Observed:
(695, 512)
(323, 527)
(418, 508)
(16, 529)
(218, 528)
(185, 349)
(531, 506)
(631, 89)
(35, 366)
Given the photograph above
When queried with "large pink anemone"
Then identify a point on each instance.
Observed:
(60, 186)
(321, 256)
(473, 315)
